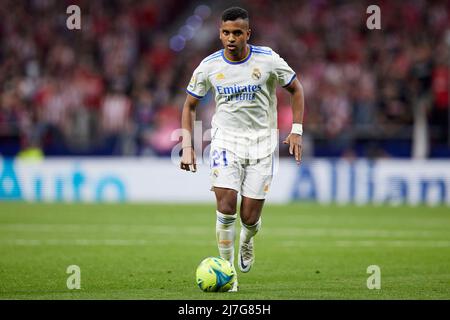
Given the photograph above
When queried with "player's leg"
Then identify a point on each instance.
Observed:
(225, 222)
(256, 183)
(226, 173)
(226, 225)
(250, 213)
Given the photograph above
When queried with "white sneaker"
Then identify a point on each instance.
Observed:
(246, 256)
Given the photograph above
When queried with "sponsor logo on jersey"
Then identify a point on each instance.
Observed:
(239, 93)
(220, 76)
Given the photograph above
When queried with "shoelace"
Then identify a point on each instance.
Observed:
(248, 249)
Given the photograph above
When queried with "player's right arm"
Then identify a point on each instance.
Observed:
(198, 87)
(188, 161)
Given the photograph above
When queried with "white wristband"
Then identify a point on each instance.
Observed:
(297, 128)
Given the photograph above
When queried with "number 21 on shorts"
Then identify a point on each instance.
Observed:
(219, 157)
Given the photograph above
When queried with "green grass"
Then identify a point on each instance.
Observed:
(304, 251)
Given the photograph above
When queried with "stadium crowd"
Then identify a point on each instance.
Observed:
(117, 86)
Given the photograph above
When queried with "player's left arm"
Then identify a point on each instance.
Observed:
(294, 139)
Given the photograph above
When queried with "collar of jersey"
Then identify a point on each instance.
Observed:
(249, 54)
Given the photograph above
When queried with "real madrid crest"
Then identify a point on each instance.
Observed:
(256, 75)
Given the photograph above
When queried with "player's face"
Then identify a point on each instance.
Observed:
(234, 36)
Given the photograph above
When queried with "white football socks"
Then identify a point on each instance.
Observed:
(247, 232)
(225, 234)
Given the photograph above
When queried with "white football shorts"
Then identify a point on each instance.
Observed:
(250, 177)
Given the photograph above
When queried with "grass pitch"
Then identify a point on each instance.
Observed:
(303, 251)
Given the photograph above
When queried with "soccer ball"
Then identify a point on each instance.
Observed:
(215, 274)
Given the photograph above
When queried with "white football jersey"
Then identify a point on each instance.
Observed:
(245, 121)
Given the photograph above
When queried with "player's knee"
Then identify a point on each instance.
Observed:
(250, 216)
(249, 219)
(250, 212)
(226, 207)
(226, 201)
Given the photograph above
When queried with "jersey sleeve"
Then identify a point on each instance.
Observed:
(282, 71)
(199, 85)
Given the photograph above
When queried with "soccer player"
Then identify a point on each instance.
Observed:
(243, 78)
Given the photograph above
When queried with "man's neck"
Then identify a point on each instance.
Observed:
(239, 56)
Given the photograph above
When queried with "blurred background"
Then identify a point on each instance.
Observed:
(116, 87)
(97, 106)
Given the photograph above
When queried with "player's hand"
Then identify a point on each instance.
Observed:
(295, 145)
(188, 160)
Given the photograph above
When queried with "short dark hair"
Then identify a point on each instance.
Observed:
(234, 13)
